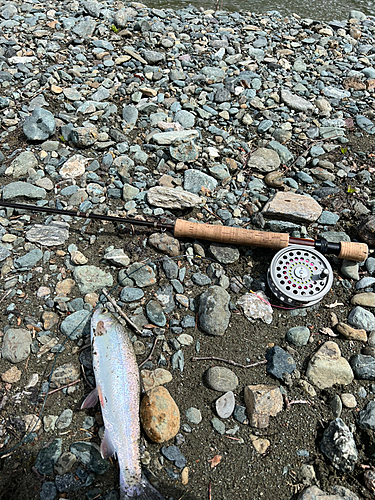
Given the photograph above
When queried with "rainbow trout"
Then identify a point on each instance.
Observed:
(118, 389)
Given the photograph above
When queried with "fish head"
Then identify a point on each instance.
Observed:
(102, 320)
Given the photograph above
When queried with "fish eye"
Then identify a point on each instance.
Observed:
(104, 310)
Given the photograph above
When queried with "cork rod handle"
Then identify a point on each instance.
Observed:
(230, 235)
(353, 251)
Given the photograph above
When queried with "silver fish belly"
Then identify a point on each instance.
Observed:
(118, 388)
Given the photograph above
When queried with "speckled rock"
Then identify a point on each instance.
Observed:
(327, 367)
(160, 416)
(214, 314)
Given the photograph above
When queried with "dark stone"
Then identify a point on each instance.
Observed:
(363, 366)
(279, 362)
(339, 447)
(174, 454)
(366, 418)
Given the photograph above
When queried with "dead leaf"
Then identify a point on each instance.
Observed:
(328, 331)
(215, 461)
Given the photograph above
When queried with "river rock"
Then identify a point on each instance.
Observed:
(155, 313)
(172, 198)
(221, 379)
(91, 278)
(90, 456)
(264, 160)
(338, 493)
(366, 419)
(22, 165)
(362, 319)
(214, 314)
(224, 254)
(292, 207)
(160, 416)
(351, 333)
(327, 367)
(54, 234)
(65, 374)
(24, 190)
(339, 446)
(363, 366)
(166, 244)
(256, 306)
(365, 299)
(154, 378)
(48, 456)
(76, 324)
(143, 275)
(262, 401)
(298, 335)
(225, 405)
(296, 102)
(40, 125)
(279, 362)
(16, 345)
(196, 181)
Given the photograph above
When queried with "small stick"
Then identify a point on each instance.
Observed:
(288, 403)
(6, 295)
(149, 357)
(64, 386)
(209, 491)
(230, 362)
(118, 309)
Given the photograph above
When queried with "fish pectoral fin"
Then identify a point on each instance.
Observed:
(90, 400)
(106, 447)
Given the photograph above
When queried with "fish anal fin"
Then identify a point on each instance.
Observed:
(106, 447)
(90, 400)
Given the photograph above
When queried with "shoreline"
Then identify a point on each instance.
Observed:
(252, 121)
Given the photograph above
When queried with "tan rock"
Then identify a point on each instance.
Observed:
(262, 401)
(261, 445)
(50, 319)
(185, 476)
(365, 299)
(165, 243)
(351, 333)
(327, 367)
(348, 400)
(307, 387)
(91, 298)
(65, 374)
(167, 197)
(160, 416)
(64, 287)
(154, 378)
(78, 258)
(32, 423)
(12, 375)
(292, 207)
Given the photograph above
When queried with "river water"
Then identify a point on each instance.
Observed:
(321, 10)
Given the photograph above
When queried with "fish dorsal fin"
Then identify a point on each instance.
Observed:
(106, 447)
(91, 400)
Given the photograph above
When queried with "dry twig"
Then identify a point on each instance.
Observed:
(64, 386)
(230, 362)
(118, 309)
(149, 357)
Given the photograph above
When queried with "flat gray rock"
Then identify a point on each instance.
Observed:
(221, 379)
(91, 278)
(54, 234)
(296, 102)
(195, 180)
(168, 138)
(264, 160)
(339, 446)
(214, 314)
(16, 345)
(40, 125)
(23, 189)
(173, 198)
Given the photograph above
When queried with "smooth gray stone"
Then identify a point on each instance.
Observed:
(193, 415)
(91, 278)
(224, 254)
(225, 405)
(23, 189)
(29, 260)
(16, 345)
(131, 294)
(165, 296)
(350, 269)
(365, 282)
(298, 335)
(365, 124)
(130, 114)
(214, 314)
(362, 319)
(155, 313)
(185, 118)
(85, 28)
(339, 446)
(286, 157)
(76, 325)
(221, 379)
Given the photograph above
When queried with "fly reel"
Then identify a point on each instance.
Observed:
(299, 276)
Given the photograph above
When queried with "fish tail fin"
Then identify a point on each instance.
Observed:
(143, 491)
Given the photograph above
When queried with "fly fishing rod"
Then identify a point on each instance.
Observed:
(222, 234)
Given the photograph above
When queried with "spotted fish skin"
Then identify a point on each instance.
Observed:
(118, 388)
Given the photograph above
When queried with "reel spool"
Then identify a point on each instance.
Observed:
(299, 276)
